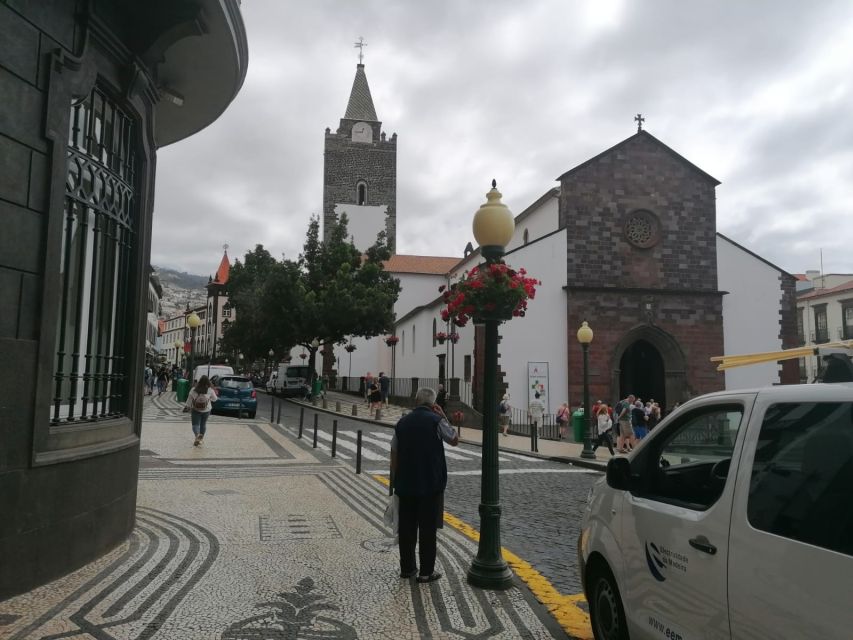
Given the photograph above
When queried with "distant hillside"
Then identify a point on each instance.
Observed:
(181, 279)
(179, 290)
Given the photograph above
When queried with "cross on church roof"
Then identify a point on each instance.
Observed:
(360, 45)
(639, 119)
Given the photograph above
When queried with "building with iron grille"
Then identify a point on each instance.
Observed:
(90, 91)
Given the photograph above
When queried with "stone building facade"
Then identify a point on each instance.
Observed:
(360, 171)
(90, 91)
(641, 243)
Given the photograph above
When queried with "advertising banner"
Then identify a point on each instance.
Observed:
(537, 381)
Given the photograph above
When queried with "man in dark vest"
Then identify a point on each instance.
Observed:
(419, 474)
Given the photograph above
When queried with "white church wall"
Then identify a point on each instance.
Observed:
(416, 289)
(750, 312)
(538, 222)
(540, 336)
(364, 222)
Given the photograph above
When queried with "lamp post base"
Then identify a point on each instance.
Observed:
(588, 455)
(488, 569)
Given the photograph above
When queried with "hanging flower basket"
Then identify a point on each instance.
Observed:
(392, 340)
(441, 337)
(453, 337)
(492, 291)
(349, 348)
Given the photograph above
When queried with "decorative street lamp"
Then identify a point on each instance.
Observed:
(270, 353)
(349, 349)
(392, 341)
(585, 337)
(240, 359)
(493, 229)
(193, 322)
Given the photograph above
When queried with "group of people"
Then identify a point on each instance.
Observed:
(632, 419)
(376, 389)
(157, 378)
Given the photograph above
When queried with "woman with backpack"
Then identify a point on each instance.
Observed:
(200, 403)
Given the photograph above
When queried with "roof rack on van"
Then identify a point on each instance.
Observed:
(837, 357)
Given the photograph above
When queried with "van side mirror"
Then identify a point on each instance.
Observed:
(619, 473)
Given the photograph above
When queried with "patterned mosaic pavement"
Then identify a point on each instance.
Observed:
(257, 535)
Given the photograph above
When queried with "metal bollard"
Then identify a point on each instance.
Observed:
(355, 409)
(301, 420)
(358, 452)
(338, 406)
(334, 437)
(532, 438)
(325, 406)
(272, 409)
(379, 414)
(316, 416)
(278, 419)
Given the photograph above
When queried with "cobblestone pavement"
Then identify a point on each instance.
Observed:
(255, 534)
(542, 500)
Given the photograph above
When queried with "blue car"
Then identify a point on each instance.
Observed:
(236, 394)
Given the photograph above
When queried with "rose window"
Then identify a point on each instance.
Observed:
(642, 229)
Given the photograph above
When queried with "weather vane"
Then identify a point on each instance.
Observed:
(225, 247)
(360, 45)
(639, 119)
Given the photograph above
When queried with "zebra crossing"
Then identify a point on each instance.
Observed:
(376, 447)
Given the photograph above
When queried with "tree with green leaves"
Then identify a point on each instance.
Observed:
(331, 293)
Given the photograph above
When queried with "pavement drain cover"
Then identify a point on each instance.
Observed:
(297, 527)
(221, 492)
(380, 545)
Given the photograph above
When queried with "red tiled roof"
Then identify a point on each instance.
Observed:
(819, 293)
(223, 271)
(436, 265)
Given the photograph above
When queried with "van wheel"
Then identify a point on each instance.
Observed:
(605, 606)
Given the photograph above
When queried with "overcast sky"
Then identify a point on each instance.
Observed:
(759, 94)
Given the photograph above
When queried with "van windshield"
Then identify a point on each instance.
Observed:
(297, 372)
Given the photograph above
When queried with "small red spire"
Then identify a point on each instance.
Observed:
(223, 271)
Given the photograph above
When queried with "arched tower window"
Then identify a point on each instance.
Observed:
(361, 193)
(526, 236)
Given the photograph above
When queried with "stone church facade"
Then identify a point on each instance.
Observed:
(642, 265)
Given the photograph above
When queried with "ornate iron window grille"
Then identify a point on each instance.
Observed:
(91, 362)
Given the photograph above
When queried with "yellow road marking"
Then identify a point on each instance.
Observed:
(564, 608)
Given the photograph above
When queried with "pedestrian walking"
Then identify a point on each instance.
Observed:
(374, 395)
(562, 418)
(623, 417)
(605, 427)
(503, 413)
(639, 420)
(535, 411)
(200, 404)
(384, 387)
(441, 398)
(368, 381)
(419, 475)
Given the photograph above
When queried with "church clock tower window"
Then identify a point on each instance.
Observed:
(361, 193)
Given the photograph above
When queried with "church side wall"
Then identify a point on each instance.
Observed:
(751, 313)
(540, 222)
(417, 289)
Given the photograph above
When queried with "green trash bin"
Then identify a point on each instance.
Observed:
(183, 391)
(316, 388)
(578, 425)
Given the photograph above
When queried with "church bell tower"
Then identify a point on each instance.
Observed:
(360, 171)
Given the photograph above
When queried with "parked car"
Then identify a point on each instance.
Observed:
(732, 519)
(237, 394)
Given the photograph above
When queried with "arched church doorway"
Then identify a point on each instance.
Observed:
(642, 372)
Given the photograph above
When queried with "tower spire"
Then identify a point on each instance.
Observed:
(360, 105)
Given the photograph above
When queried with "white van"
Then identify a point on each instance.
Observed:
(211, 370)
(732, 519)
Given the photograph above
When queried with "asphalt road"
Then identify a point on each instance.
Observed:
(542, 501)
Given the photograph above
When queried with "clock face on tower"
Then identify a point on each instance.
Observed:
(362, 132)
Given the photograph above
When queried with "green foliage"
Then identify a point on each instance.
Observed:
(332, 292)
